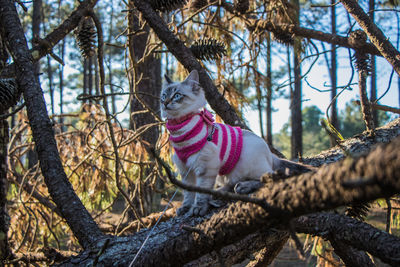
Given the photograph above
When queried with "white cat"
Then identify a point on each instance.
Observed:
(205, 150)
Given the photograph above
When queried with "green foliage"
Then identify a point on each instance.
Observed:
(314, 137)
(351, 121)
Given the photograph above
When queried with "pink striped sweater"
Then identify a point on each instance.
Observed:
(190, 133)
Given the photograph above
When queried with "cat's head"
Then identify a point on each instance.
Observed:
(182, 98)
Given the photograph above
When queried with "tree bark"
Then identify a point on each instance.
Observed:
(266, 25)
(334, 113)
(269, 91)
(61, 191)
(349, 255)
(184, 55)
(4, 218)
(376, 36)
(329, 187)
(373, 89)
(354, 233)
(296, 120)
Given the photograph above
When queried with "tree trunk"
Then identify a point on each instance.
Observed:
(61, 191)
(295, 105)
(146, 87)
(373, 89)
(334, 113)
(90, 76)
(269, 91)
(61, 81)
(259, 102)
(110, 61)
(4, 218)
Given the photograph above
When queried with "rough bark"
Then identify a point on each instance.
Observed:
(61, 191)
(349, 255)
(185, 56)
(268, 241)
(4, 218)
(329, 187)
(360, 143)
(146, 82)
(354, 233)
(376, 36)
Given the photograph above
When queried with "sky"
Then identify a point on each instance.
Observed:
(317, 77)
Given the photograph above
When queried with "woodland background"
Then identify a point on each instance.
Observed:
(81, 185)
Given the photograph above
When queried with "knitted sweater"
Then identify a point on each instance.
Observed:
(189, 135)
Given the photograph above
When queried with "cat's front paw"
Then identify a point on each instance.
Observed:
(199, 210)
(247, 187)
(182, 210)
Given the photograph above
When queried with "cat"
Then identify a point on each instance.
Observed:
(207, 152)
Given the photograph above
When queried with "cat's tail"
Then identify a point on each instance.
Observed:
(288, 167)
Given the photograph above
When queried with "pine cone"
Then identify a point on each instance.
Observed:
(362, 61)
(208, 49)
(9, 94)
(85, 35)
(357, 38)
(283, 37)
(167, 5)
(241, 6)
(358, 211)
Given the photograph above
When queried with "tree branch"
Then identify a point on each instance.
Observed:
(61, 191)
(307, 193)
(376, 36)
(46, 45)
(185, 56)
(266, 25)
(354, 233)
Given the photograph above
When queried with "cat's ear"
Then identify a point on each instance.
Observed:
(193, 76)
(168, 79)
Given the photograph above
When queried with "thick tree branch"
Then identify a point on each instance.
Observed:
(260, 25)
(45, 46)
(184, 55)
(61, 191)
(349, 255)
(324, 189)
(360, 143)
(352, 232)
(376, 36)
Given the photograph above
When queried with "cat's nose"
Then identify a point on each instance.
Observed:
(166, 104)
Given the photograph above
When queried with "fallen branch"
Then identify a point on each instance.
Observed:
(354, 233)
(307, 193)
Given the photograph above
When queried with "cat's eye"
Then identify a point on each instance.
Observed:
(177, 96)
